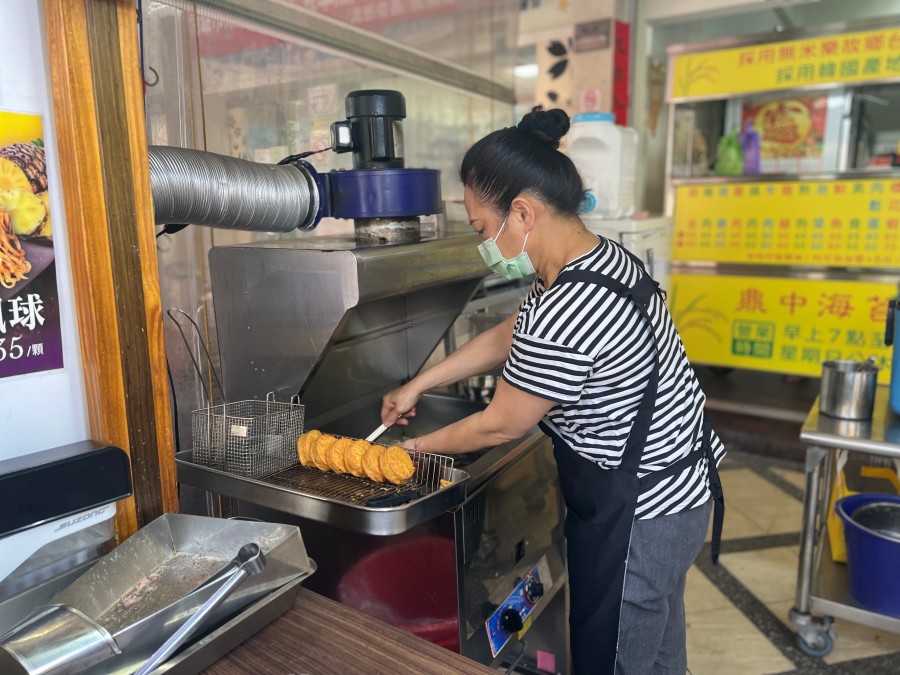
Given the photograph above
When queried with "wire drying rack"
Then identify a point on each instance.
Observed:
(430, 470)
(248, 438)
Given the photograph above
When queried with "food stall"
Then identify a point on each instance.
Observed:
(259, 86)
(782, 184)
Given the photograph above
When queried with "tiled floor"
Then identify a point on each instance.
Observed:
(737, 611)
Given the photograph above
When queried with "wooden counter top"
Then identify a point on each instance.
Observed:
(319, 636)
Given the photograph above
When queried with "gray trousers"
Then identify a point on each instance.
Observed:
(651, 625)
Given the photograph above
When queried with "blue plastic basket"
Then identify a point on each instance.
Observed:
(873, 560)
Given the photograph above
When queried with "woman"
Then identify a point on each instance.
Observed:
(592, 357)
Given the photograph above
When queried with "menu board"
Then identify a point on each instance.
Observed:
(780, 325)
(851, 57)
(30, 334)
(847, 223)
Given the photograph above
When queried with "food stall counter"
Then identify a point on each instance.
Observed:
(322, 637)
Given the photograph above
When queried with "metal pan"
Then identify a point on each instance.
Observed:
(145, 589)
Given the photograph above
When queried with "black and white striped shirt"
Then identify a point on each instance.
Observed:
(589, 350)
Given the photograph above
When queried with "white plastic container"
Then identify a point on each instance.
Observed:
(604, 154)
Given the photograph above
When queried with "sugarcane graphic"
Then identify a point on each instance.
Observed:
(703, 71)
(696, 316)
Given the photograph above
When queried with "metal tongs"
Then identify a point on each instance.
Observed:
(375, 435)
(248, 562)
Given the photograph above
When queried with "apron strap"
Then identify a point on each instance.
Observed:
(641, 294)
(715, 489)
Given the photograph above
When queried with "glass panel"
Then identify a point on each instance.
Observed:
(231, 87)
(478, 34)
(876, 127)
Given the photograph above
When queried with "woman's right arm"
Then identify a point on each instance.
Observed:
(484, 353)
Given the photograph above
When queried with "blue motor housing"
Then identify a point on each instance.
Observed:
(378, 193)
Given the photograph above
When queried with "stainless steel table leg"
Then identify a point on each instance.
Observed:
(814, 635)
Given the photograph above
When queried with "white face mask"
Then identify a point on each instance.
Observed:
(510, 268)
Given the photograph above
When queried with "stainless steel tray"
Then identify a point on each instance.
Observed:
(288, 496)
(115, 615)
(205, 651)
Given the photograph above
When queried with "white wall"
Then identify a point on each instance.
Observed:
(40, 410)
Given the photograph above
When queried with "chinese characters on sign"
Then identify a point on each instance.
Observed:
(781, 325)
(30, 335)
(863, 56)
(850, 223)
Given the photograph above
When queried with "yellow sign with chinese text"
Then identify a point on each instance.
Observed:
(852, 57)
(845, 223)
(780, 325)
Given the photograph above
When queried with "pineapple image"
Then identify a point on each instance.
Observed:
(26, 210)
(23, 188)
(12, 177)
(29, 158)
(46, 229)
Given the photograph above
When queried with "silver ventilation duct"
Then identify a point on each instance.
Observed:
(203, 188)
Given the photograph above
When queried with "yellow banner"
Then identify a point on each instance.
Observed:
(780, 325)
(849, 223)
(853, 57)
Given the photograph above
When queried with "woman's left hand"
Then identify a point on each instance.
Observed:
(409, 443)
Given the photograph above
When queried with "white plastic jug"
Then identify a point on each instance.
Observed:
(605, 155)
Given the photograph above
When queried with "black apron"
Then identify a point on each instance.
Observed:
(601, 504)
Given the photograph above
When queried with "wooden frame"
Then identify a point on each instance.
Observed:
(98, 98)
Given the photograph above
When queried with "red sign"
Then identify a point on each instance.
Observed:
(621, 66)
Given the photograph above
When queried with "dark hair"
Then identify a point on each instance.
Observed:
(525, 158)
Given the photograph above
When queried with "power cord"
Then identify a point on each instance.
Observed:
(171, 228)
(290, 159)
(515, 662)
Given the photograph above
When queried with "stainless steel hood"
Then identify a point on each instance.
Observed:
(337, 323)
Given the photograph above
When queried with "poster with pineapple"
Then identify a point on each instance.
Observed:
(30, 336)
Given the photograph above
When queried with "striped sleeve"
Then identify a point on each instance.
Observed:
(547, 369)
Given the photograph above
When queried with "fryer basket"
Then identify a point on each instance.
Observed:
(247, 438)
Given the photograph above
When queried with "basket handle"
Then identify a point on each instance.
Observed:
(212, 368)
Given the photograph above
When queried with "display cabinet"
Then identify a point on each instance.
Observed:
(784, 186)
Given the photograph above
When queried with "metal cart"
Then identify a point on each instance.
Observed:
(822, 585)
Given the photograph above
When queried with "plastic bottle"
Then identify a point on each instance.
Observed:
(749, 138)
(605, 155)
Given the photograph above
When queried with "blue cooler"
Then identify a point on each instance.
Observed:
(872, 532)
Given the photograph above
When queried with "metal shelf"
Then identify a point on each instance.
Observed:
(851, 174)
(831, 594)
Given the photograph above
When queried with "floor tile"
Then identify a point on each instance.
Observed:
(736, 526)
(770, 573)
(766, 506)
(797, 478)
(701, 595)
(725, 642)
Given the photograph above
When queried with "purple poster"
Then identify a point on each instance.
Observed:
(30, 339)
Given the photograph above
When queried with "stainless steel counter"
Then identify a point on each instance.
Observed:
(822, 584)
(878, 436)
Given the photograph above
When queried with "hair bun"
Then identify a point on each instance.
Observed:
(546, 126)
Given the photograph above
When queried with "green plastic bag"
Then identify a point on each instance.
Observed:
(729, 156)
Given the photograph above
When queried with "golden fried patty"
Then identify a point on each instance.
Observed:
(335, 454)
(319, 453)
(305, 444)
(396, 465)
(371, 463)
(353, 457)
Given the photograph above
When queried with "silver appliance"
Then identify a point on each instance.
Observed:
(57, 518)
(339, 323)
(650, 239)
